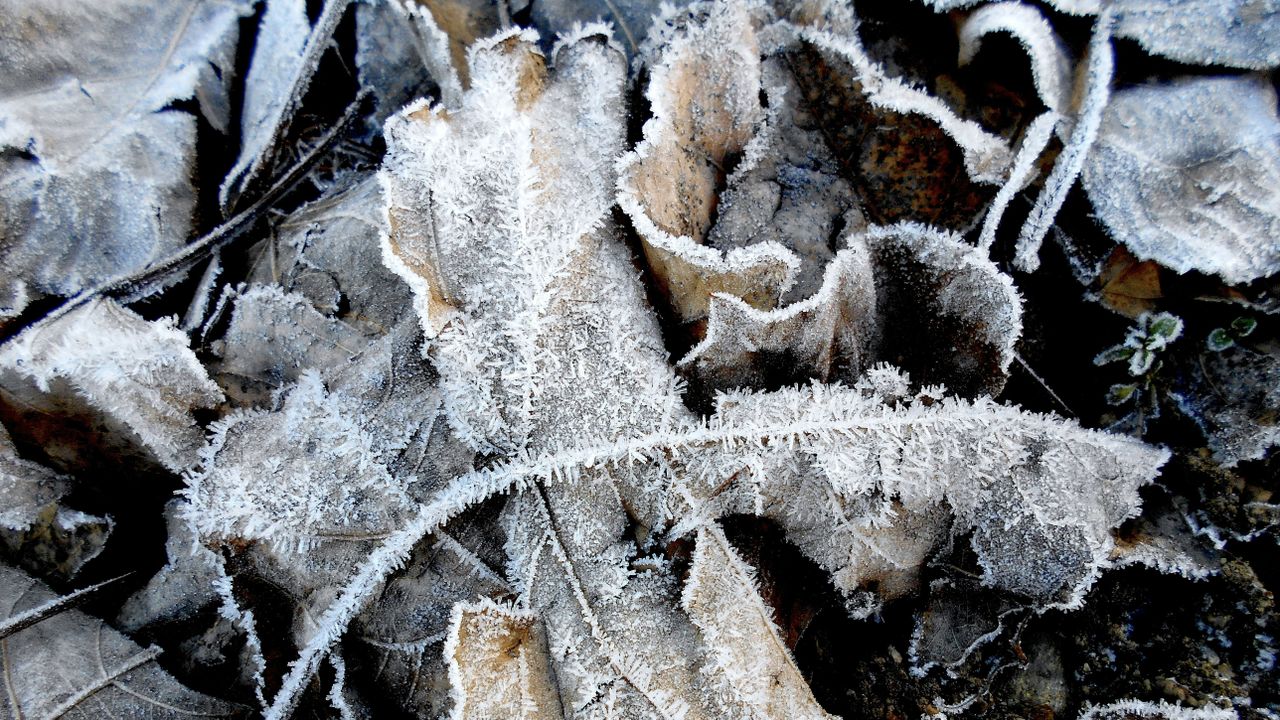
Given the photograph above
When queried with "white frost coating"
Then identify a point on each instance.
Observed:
(285, 56)
(1188, 174)
(1050, 60)
(986, 156)
(1034, 141)
(1158, 709)
(86, 96)
(141, 375)
(230, 610)
(432, 45)
(1099, 69)
(991, 442)
(1041, 494)
(259, 484)
(337, 691)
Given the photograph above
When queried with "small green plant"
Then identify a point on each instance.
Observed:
(1225, 338)
(1141, 349)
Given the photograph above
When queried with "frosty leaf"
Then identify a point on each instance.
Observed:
(286, 53)
(946, 310)
(26, 488)
(520, 175)
(1050, 61)
(72, 665)
(1162, 539)
(986, 156)
(135, 383)
(463, 23)
(84, 100)
(330, 251)
(630, 19)
(37, 530)
(744, 647)
(274, 337)
(498, 664)
(868, 491)
(828, 335)
(318, 471)
(1234, 33)
(1188, 174)
(1233, 395)
(402, 633)
(770, 230)
(183, 587)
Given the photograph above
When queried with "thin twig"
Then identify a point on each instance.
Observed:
(1043, 384)
(24, 620)
(214, 240)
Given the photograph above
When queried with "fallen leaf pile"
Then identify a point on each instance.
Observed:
(550, 359)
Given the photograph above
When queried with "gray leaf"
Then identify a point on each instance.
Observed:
(84, 92)
(1188, 174)
(73, 665)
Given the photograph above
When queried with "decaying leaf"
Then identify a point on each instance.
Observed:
(1050, 60)
(112, 379)
(548, 356)
(73, 665)
(704, 96)
(507, 178)
(1188, 174)
(744, 647)
(400, 53)
(498, 664)
(785, 198)
(26, 488)
(1129, 286)
(1234, 396)
(85, 100)
(183, 587)
(274, 337)
(330, 252)
(1232, 33)
(871, 499)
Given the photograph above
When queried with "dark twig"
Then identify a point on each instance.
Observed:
(215, 239)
